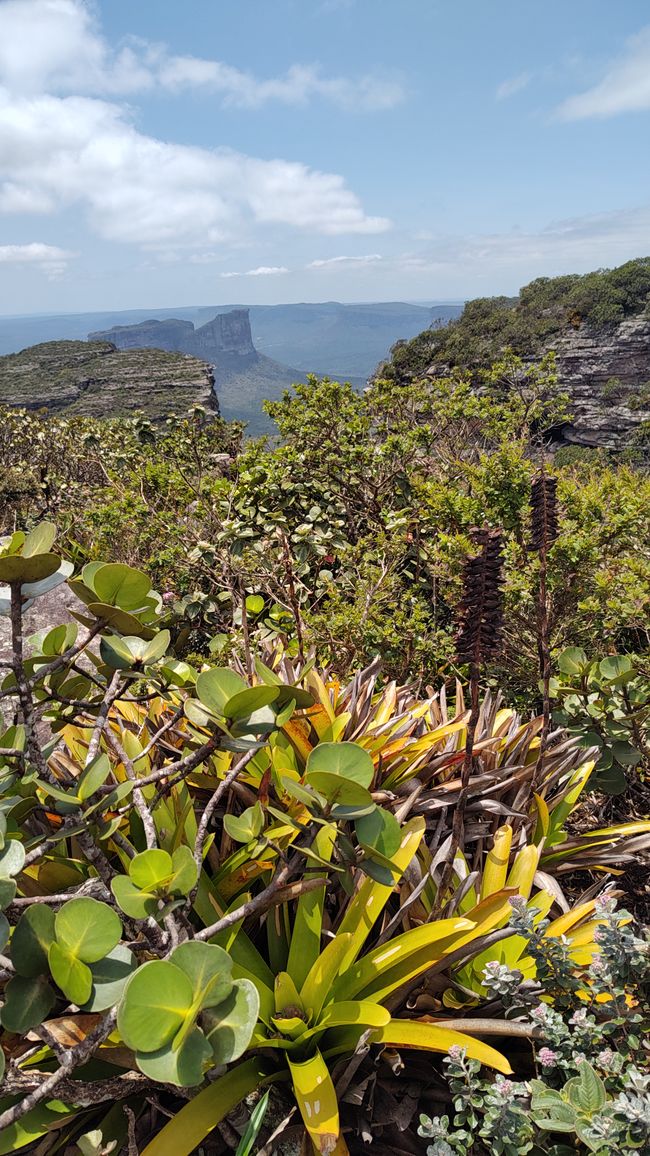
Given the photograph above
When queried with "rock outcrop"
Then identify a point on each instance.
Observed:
(243, 378)
(606, 373)
(98, 380)
(227, 333)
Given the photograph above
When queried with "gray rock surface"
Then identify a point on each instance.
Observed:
(228, 333)
(587, 361)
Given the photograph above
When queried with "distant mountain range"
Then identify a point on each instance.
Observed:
(330, 337)
(282, 344)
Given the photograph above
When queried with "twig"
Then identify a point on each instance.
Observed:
(71, 1059)
(208, 812)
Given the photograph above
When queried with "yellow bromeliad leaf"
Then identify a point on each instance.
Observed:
(297, 731)
(317, 687)
(523, 870)
(485, 916)
(307, 928)
(387, 705)
(319, 982)
(196, 1119)
(435, 1037)
(560, 814)
(564, 923)
(495, 870)
(286, 994)
(371, 969)
(502, 720)
(317, 1102)
(369, 901)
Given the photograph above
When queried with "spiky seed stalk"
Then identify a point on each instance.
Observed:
(479, 639)
(545, 529)
(481, 608)
(544, 509)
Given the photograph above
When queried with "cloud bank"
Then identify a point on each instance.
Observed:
(66, 142)
(625, 86)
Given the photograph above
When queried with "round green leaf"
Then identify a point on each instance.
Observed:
(348, 760)
(287, 694)
(121, 585)
(39, 540)
(133, 902)
(208, 967)
(151, 869)
(31, 940)
(70, 974)
(254, 604)
(573, 660)
(617, 668)
(15, 568)
(5, 931)
(37, 589)
(109, 976)
(87, 929)
(339, 790)
(8, 891)
(156, 648)
(156, 1001)
(181, 1066)
(379, 831)
(120, 620)
(184, 871)
(12, 858)
(611, 781)
(27, 1003)
(116, 653)
(93, 776)
(247, 826)
(246, 702)
(230, 1025)
(215, 687)
(626, 754)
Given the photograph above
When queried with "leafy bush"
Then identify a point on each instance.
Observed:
(224, 883)
(527, 323)
(607, 704)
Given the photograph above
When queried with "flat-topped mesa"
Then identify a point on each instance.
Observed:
(170, 335)
(227, 333)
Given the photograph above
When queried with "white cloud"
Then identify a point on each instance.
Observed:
(367, 259)
(62, 149)
(625, 86)
(49, 259)
(57, 46)
(261, 271)
(297, 86)
(574, 245)
(514, 85)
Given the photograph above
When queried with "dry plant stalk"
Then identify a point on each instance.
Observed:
(479, 639)
(544, 532)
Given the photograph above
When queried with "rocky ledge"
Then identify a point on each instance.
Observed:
(606, 373)
(98, 380)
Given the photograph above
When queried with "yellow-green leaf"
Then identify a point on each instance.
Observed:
(316, 1099)
(319, 982)
(496, 864)
(437, 1038)
(369, 901)
(199, 1116)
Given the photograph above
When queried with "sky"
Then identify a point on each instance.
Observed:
(160, 153)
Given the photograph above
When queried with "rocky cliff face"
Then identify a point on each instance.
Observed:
(607, 376)
(227, 334)
(96, 379)
(170, 335)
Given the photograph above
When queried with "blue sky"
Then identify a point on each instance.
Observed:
(159, 153)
